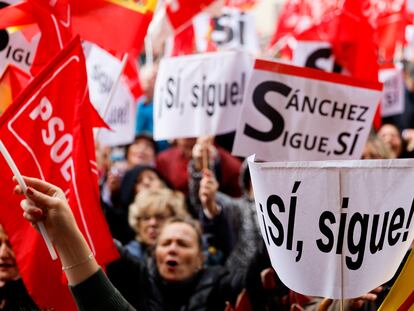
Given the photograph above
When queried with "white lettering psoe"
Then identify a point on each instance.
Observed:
(66, 169)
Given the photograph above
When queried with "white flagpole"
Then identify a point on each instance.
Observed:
(22, 184)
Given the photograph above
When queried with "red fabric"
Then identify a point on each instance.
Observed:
(184, 42)
(53, 21)
(173, 167)
(110, 25)
(354, 45)
(241, 4)
(389, 20)
(180, 12)
(299, 16)
(42, 149)
(348, 29)
(131, 74)
(18, 79)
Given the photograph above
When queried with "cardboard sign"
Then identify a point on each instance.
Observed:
(200, 94)
(17, 50)
(234, 29)
(392, 101)
(292, 113)
(335, 229)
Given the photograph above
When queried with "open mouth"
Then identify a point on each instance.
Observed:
(172, 263)
(6, 265)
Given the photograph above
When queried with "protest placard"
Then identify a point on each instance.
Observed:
(232, 29)
(121, 118)
(392, 101)
(335, 229)
(315, 54)
(117, 110)
(200, 94)
(294, 113)
(16, 49)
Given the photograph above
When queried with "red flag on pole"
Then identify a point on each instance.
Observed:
(180, 12)
(115, 25)
(48, 132)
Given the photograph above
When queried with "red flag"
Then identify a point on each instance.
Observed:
(53, 20)
(48, 132)
(180, 12)
(345, 26)
(298, 17)
(113, 24)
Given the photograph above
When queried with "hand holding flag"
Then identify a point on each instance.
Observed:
(22, 184)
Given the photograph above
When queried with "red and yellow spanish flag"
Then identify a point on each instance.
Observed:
(401, 296)
(113, 24)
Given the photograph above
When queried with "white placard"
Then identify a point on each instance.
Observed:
(335, 229)
(103, 70)
(294, 113)
(120, 113)
(200, 94)
(314, 54)
(232, 30)
(17, 50)
(121, 117)
(392, 101)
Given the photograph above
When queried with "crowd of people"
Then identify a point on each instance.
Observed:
(183, 217)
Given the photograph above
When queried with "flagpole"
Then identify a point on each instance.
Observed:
(22, 184)
(112, 92)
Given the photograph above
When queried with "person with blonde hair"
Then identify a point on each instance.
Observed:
(148, 213)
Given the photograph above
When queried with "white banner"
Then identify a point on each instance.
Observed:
(392, 101)
(200, 94)
(120, 113)
(335, 229)
(233, 29)
(292, 113)
(17, 50)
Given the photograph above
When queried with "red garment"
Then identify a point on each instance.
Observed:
(173, 167)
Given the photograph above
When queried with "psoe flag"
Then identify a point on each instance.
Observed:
(401, 296)
(292, 113)
(330, 227)
(48, 132)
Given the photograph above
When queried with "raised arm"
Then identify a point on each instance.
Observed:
(90, 287)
